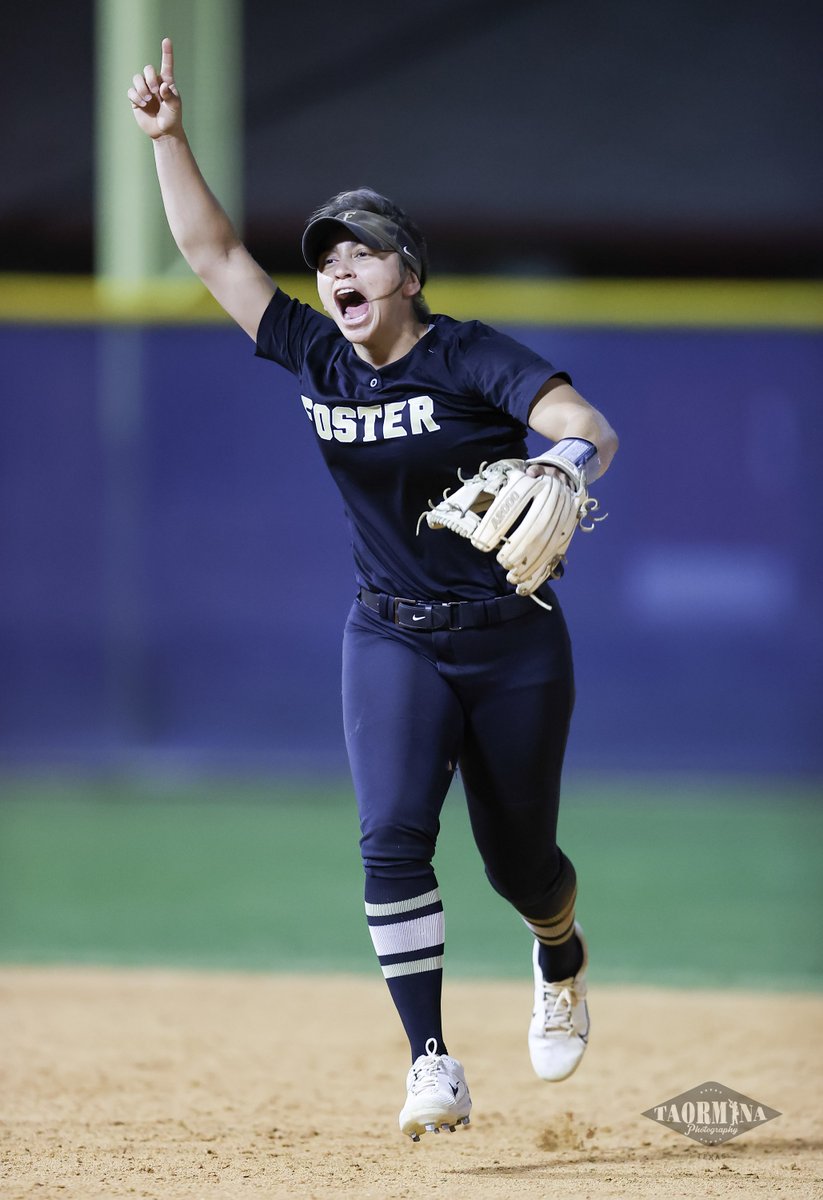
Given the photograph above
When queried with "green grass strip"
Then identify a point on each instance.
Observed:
(681, 882)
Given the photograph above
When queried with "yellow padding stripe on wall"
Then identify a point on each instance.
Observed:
(622, 303)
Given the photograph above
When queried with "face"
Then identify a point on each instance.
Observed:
(367, 292)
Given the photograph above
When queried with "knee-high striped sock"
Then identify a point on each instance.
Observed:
(406, 924)
(561, 954)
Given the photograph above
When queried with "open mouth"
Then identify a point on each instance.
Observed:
(352, 304)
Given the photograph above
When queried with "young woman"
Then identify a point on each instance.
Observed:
(443, 664)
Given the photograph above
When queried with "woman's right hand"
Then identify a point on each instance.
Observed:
(154, 97)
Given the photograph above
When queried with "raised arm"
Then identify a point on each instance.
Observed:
(200, 227)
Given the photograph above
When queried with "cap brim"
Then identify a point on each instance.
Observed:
(325, 231)
(371, 229)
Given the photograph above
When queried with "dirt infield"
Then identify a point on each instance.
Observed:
(171, 1084)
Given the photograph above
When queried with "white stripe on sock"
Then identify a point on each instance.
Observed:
(401, 906)
(403, 936)
(413, 968)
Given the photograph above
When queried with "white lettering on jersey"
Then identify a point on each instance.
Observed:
(421, 411)
(344, 424)
(369, 413)
(322, 421)
(372, 422)
(392, 415)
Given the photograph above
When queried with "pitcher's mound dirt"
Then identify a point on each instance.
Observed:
(169, 1084)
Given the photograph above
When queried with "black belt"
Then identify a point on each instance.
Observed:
(457, 614)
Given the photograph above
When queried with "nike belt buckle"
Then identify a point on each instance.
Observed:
(421, 616)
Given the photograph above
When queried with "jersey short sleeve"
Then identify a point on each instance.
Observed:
(504, 372)
(287, 329)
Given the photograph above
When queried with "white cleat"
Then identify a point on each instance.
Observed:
(559, 1029)
(437, 1095)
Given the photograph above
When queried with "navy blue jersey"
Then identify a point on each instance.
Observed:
(394, 437)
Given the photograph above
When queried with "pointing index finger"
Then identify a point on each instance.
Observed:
(167, 61)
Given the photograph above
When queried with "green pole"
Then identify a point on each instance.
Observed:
(132, 242)
(135, 257)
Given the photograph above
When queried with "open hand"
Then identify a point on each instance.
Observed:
(154, 97)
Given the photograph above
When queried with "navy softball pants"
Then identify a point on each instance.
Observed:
(494, 702)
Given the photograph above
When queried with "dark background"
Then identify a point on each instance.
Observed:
(164, 599)
(176, 570)
(560, 136)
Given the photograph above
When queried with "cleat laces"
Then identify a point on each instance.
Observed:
(438, 1098)
(425, 1075)
(558, 1003)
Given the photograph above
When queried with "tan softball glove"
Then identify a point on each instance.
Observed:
(530, 518)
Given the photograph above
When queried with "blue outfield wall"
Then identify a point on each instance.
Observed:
(175, 571)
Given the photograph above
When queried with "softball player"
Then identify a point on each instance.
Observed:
(443, 664)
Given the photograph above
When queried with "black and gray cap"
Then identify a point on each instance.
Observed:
(372, 229)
